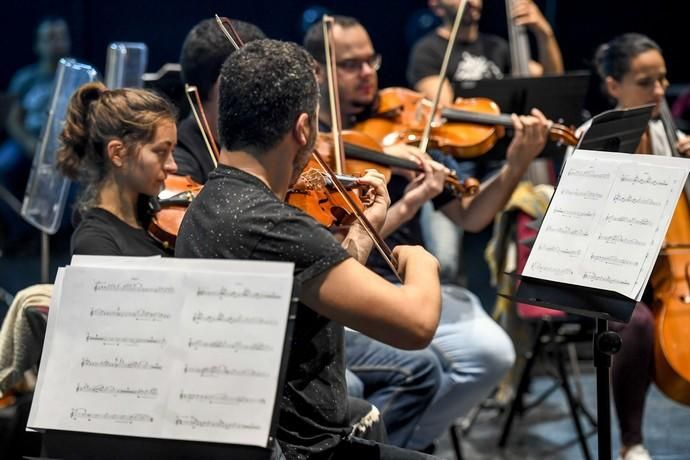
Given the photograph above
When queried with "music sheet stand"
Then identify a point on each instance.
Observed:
(621, 129)
(72, 444)
(560, 97)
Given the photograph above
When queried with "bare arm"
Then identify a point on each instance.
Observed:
(401, 316)
(476, 212)
(526, 13)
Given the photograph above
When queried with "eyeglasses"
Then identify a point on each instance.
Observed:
(355, 65)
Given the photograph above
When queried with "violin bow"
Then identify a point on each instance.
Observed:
(202, 122)
(424, 141)
(381, 246)
(333, 98)
(336, 130)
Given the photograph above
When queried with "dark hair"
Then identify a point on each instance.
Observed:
(205, 49)
(97, 115)
(313, 39)
(613, 59)
(264, 87)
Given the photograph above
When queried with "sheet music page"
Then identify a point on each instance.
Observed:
(607, 220)
(162, 353)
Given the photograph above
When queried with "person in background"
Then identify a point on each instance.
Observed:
(30, 88)
(203, 52)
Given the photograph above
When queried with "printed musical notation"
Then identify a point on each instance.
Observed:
(155, 341)
(632, 199)
(121, 340)
(133, 285)
(222, 370)
(219, 423)
(81, 413)
(567, 230)
(630, 220)
(119, 363)
(114, 390)
(239, 293)
(139, 314)
(221, 398)
(607, 219)
(585, 194)
(200, 317)
(644, 178)
(237, 345)
(589, 172)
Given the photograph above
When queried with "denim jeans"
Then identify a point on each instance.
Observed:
(473, 353)
(401, 384)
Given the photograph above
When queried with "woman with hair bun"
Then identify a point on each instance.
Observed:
(118, 144)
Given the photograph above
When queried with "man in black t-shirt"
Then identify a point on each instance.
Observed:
(203, 52)
(476, 55)
(267, 128)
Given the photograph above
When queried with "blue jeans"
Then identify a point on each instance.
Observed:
(473, 353)
(401, 384)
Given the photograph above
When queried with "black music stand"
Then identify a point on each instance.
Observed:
(560, 97)
(72, 444)
(615, 130)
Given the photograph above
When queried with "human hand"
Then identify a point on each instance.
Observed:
(529, 138)
(376, 198)
(417, 255)
(527, 13)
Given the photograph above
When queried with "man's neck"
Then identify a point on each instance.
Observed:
(466, 34)
(270, 169)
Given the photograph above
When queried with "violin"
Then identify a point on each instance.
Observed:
(466, 129)
(170, 207)
(362, 152)
(315, 193)
(670, 282)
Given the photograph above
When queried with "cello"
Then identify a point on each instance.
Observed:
(670, 282)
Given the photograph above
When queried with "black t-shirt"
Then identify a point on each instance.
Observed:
(487, 57)
(101, 233)
(191, 154)
(236, 216)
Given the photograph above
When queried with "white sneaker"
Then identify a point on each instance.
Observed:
(636, 452)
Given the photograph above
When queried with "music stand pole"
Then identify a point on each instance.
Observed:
(606, 343)
(45, 256)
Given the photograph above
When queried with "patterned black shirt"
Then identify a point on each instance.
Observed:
(236, 216)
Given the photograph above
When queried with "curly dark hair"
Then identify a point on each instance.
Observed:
(264, 88)
(613, 59)
(205, 49)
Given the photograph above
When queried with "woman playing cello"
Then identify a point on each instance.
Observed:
(634, 73)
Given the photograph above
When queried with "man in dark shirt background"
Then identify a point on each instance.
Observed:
(203, 52)
(475, 56)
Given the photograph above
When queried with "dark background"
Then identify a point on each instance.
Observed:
(580, 26)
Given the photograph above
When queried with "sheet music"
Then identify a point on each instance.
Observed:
(166, 353)
(607, 220)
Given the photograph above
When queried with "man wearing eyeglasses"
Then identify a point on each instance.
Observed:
(471, 350)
